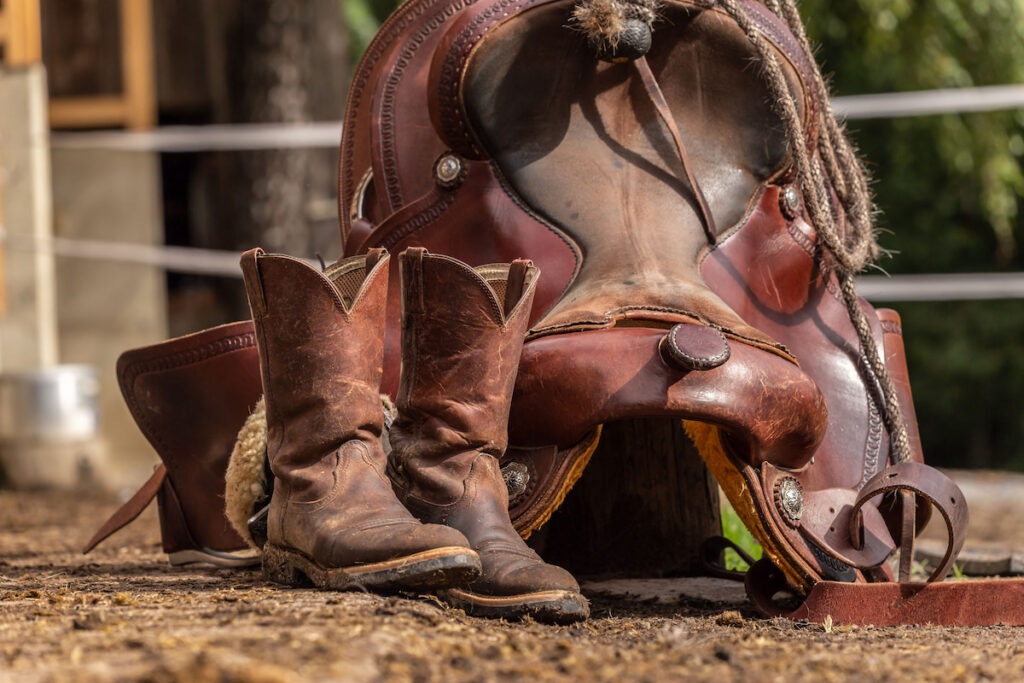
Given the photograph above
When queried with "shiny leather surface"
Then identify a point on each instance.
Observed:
(568, 383)
(190, 396)
(587, 150)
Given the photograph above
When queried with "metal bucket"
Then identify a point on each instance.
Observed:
(49, 426)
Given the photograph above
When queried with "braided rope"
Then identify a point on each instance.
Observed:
(836, 167)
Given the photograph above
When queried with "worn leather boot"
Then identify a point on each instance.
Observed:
(334, 518)
(462, 333)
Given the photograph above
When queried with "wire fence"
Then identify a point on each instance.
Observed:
(327, 135)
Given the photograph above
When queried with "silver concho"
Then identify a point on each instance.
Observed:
(789, 496)
(448, 170)
(790, 202)
(516, 476)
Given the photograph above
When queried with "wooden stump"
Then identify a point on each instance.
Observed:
(642, 508)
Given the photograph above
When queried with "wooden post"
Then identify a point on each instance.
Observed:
(137, 64)
(28, 330)
(642, 508)
(135, 106)
(20, 32)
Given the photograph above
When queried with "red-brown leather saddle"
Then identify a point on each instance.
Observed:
(681, 273)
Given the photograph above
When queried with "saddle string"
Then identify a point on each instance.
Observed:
(838, 168)
(661, 105)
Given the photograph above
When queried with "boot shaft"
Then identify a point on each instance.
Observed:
(321, 344)
(462, 334)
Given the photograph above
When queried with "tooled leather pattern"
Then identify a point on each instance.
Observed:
(174, 361)
(780, 35)
(891, 327)
(873, 446)
(417, 222)
(389, 155)
(393, 27)
(802, 240)
(453, 124)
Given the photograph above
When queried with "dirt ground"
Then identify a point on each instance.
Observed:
(122, 613)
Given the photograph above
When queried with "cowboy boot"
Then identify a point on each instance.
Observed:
(462, 333)
(334, 518)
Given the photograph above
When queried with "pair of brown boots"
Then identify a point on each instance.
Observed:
(436, 516)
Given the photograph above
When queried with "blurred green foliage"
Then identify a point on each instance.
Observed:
(362, 19)
(734, 529)
(949, 189)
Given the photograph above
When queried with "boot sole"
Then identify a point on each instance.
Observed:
(549, 607)
(430, 569)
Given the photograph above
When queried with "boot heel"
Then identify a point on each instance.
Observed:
(278, 567)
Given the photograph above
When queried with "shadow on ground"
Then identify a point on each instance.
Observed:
(122, 613)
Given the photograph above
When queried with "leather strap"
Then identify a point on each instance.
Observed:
(516, 281)
(128, 512)
(931, 485)
(711, 559)
(253, 281)
(373, 256)
(980, 602)
(908, 509)
(658, 99)
(763, 581)
(411, 270)
(405, 220)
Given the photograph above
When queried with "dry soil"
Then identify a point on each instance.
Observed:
(122, 613)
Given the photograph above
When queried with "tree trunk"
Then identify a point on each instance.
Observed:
(642, 508)
(271, 61)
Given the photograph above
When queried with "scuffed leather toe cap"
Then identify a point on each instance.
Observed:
(443, 536)
(508, 574)
(388, 542)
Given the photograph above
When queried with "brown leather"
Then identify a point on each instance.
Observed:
(405, 98)
(896, 361)
(462, 332)
(460, 236)
(567, 384)
(979, 602)
(934, 487)
(320, 339)
(765, 269)
(130, 511)
(189, 396)
(574, 113)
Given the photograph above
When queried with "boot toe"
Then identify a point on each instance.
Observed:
(440, 536)
(388, 543)
(513, 586)
(504, 578)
